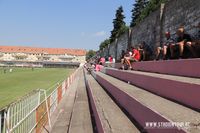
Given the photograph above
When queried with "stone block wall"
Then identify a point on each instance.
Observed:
(181, 12)
(105, 52)
(172, 15)
(147, 31)
(112, 49)
(122, 44)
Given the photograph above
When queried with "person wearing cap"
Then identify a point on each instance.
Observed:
(183, 40)
(165, 48)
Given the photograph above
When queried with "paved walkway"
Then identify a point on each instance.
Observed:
(60, 119)
(72, 114)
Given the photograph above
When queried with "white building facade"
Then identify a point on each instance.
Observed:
(34, 55)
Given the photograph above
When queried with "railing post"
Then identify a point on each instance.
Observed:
(39, 98)
(45, 95)
(0, 121)
(6, 116)
(4, 122)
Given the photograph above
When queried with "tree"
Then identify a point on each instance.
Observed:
(104, 44)
(118, 24)
(150, 7)
(137, 10)
(90, 54)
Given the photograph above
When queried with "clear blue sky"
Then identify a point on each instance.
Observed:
(59, 23)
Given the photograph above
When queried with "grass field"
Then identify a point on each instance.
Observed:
(23, 80)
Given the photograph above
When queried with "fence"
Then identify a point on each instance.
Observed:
(31, 113)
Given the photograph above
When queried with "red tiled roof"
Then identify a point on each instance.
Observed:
(21, 49)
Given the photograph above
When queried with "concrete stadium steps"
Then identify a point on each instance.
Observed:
(61, 117)
(73, 113)
(144, 106)
(81, 118)
(184, 67)
(105, 103)
(183, 90)
(108, 116)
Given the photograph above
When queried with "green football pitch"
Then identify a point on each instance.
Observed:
(21, 81)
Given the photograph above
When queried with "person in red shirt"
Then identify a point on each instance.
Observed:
(102, 60)
(99, 67)
(110, 58)
(133, 58)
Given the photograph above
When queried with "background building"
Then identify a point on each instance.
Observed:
(39, 57)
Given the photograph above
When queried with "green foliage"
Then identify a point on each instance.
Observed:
(123, 29)
(150, 7)
(137, 9)
(118, 24)
(90, 54)
(104, 44)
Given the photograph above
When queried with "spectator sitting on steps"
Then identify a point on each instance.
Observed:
(99, 67)
(124, 54)
(102, 60)
(145, 51)
(183, 40)
(165, 49)
(133, 58)
(110, 59)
